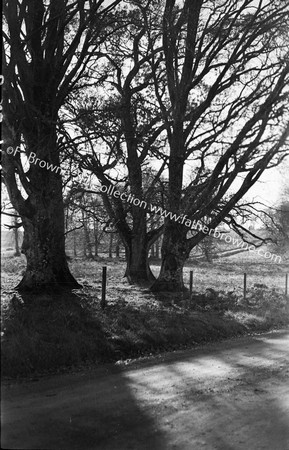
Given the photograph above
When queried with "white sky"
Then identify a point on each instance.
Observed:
(268, 188)
(271, 186)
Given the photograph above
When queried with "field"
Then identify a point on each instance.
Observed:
(223, 275)
(70, 332)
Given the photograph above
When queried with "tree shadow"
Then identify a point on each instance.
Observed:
(95, 411)
(110, 408)
(44, 333)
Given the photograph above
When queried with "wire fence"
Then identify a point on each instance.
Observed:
(201, 279)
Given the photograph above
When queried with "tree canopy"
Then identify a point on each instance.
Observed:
(184, 103)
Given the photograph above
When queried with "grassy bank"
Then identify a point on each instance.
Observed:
(48, 334)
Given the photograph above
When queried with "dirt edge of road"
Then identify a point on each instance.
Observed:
(211, 328)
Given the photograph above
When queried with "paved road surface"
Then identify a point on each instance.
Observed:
(232, 395)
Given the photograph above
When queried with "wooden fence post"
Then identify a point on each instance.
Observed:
(103, 290)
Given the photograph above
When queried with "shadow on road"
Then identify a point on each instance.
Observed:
(77, 412)
(231, 395)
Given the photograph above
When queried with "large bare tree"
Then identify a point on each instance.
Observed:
(48, 47)
(226, 116)
(123, 127)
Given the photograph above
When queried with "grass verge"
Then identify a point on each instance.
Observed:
(46, 335)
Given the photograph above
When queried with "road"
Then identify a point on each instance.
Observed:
(232, 395)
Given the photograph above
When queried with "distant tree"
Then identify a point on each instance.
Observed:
(276, 221)
(85, 214)
(207, 248)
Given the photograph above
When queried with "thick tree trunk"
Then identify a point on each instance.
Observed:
(138, 270)
(44, 241)
(42, 212)
(174, 255)
(171, 275)
(175, 246)
(136, 243)
(174, 249)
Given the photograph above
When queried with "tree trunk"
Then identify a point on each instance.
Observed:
(16, 238)
(174, 248)
(84, 243)
(74, 244)
(110, 245)
(138, 270)
(157, 252)
(95, 230)
(117, 248)
(208, 255)
(174, 256)
(171, 275)
(44, 240)
(136, 243)
(42, 211)
(87, 243)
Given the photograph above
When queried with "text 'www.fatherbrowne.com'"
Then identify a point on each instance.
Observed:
(195, 225)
